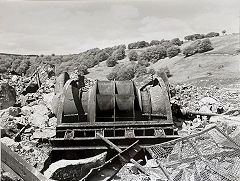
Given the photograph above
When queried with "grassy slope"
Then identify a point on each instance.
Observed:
(215, 65)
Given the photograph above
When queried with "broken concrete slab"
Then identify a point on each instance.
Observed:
(74, 169)
(26, 110)
(38, 120)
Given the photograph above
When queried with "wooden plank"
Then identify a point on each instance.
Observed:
(19, 165)
(112, 166)
(140, 167)
(6, 168)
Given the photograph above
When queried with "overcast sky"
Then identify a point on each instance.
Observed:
(64, 27)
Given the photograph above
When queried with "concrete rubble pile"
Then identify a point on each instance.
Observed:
(195, 98)
(27, 128)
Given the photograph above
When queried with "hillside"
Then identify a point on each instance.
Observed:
(221, 65)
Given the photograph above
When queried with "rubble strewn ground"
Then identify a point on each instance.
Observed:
(26, 129)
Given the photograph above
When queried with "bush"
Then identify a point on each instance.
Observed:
(166, 44)
(173, 51)
(212, 34)
(5, 65)
(205, 46)
(194, 37)
(111, 61)
(166, 70)
(3, 69)
(176, 41)
(119, 54)
(151, 71)
(15, 64)
(82, 70)
(20, 66)
(112, 76)
(143, 59)
(198, 47)
(139, 44)
(101, 56)
(189, 50)
(110, 50)
(140, 70)
(132, 55)
(126, 73)
(121, 72)
(156, 53)
(155, 42)
(65, 67)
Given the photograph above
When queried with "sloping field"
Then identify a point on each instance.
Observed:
(222, 63)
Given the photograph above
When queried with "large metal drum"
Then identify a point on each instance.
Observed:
(111, 101)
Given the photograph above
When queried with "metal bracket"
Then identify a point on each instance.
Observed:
(69, 134)
(97, 132)
(159, 132)
(129, 133)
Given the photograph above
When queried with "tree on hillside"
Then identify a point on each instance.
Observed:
(166, 43)
(82, 69)
(111, 61)
(166, 70)
(176, 41)
(139, 44)
(212, 34)
(101, 56)
(119, 54)
(189, 50)
(3, 69)
(224, 32)
(173, 51)
(156, 53)
(143, 59)
(194, 37)
(155, 42)
(140, 70)
(121, 72)
(112, 76)
(132, 55)
(205, 46)
(151, 71)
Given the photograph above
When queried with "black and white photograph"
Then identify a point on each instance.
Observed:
(120, 90)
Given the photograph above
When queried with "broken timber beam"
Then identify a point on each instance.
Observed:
(20, 166)
(140, 167)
